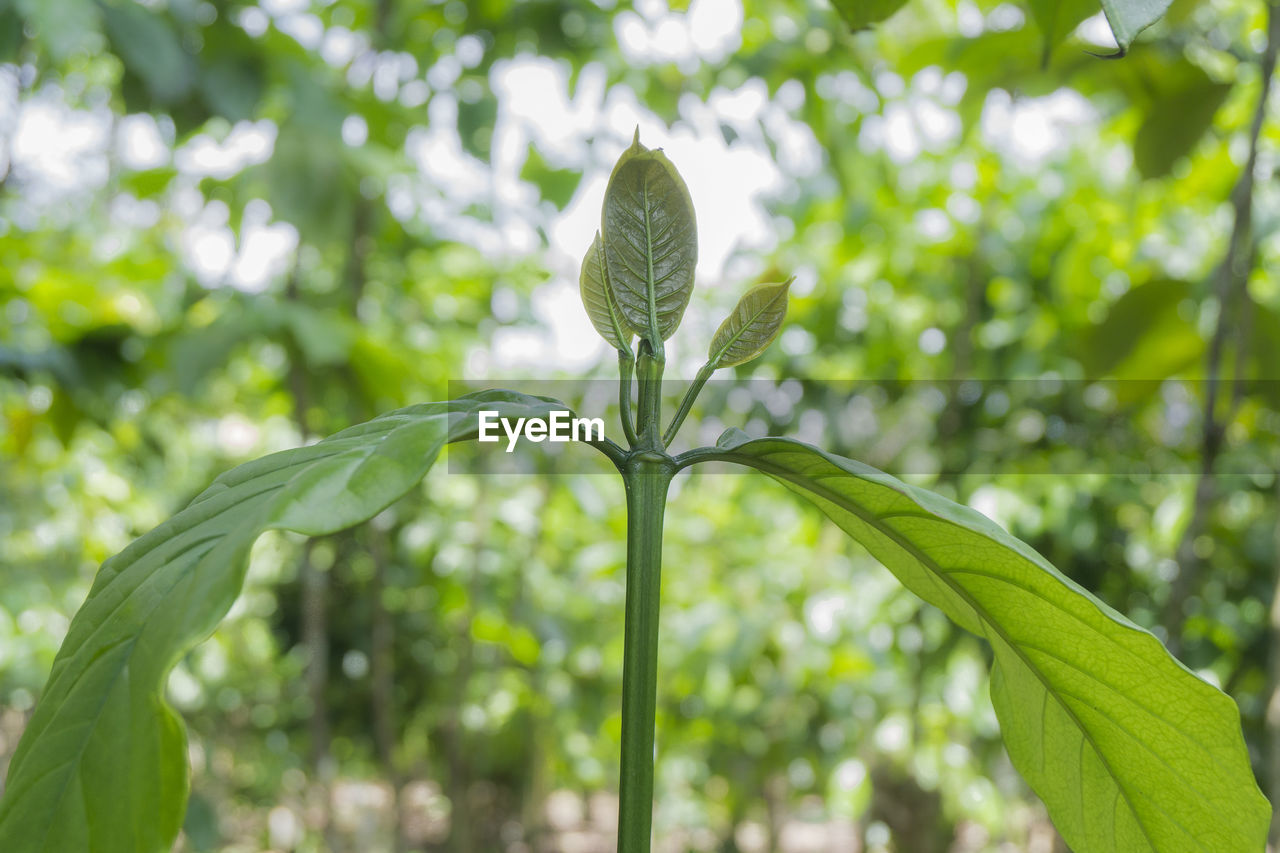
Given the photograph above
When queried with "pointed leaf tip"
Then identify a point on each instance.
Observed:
(650, 242)
(731, 438)
(752, 325)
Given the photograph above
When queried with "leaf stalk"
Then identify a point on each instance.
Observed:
(626, 369)
(690, 396)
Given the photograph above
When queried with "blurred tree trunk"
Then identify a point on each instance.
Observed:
(382, 679)
(462, 826)
(775, 793)
(1272, 719)
(537, 781)
(314, 584)
(914, 816)
(315, 639)
(1273, 703)
(1229, 291)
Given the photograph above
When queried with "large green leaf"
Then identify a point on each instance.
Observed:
(650, 242)
(101, 766)
(1129, 750)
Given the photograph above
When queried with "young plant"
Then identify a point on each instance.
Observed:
(1129, 750)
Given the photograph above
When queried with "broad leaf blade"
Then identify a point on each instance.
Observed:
(1129, 750)
(1130, 17)
(752, 326)
(101, 766)
(598, 298)
(650, 242)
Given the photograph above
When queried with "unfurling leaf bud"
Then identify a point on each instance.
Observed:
(752, 326)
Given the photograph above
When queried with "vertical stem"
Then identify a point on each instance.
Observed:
(646, 477)
(649, 368)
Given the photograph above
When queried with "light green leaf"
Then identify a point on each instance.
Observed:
(101, 766)
(860, 14)
(650, 242)
(1130, 17)
(752, 326)
(1129, 750)
(598, 298)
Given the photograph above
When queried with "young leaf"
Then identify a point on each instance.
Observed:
(102, 764)
(752, 326)
(598, 298)
(1129, 750)
(650, 242)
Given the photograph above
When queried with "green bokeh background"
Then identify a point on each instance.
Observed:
(228, 228)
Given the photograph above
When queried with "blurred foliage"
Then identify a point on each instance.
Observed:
(228, 228)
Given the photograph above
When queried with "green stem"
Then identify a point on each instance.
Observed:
(649, 371)
(626, 367)
(687, 403)
(646, 476)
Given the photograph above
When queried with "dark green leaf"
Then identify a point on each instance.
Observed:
(1129, 750)
(1057, 18)
(151, 49)
(598, 299)
(752, 326)
(11, 35)
(555, 185)
(232, 87)
(1182, 111)
(1143, 336)
(323, 338)
(102, 764)
(650, 241)
(860, 14)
